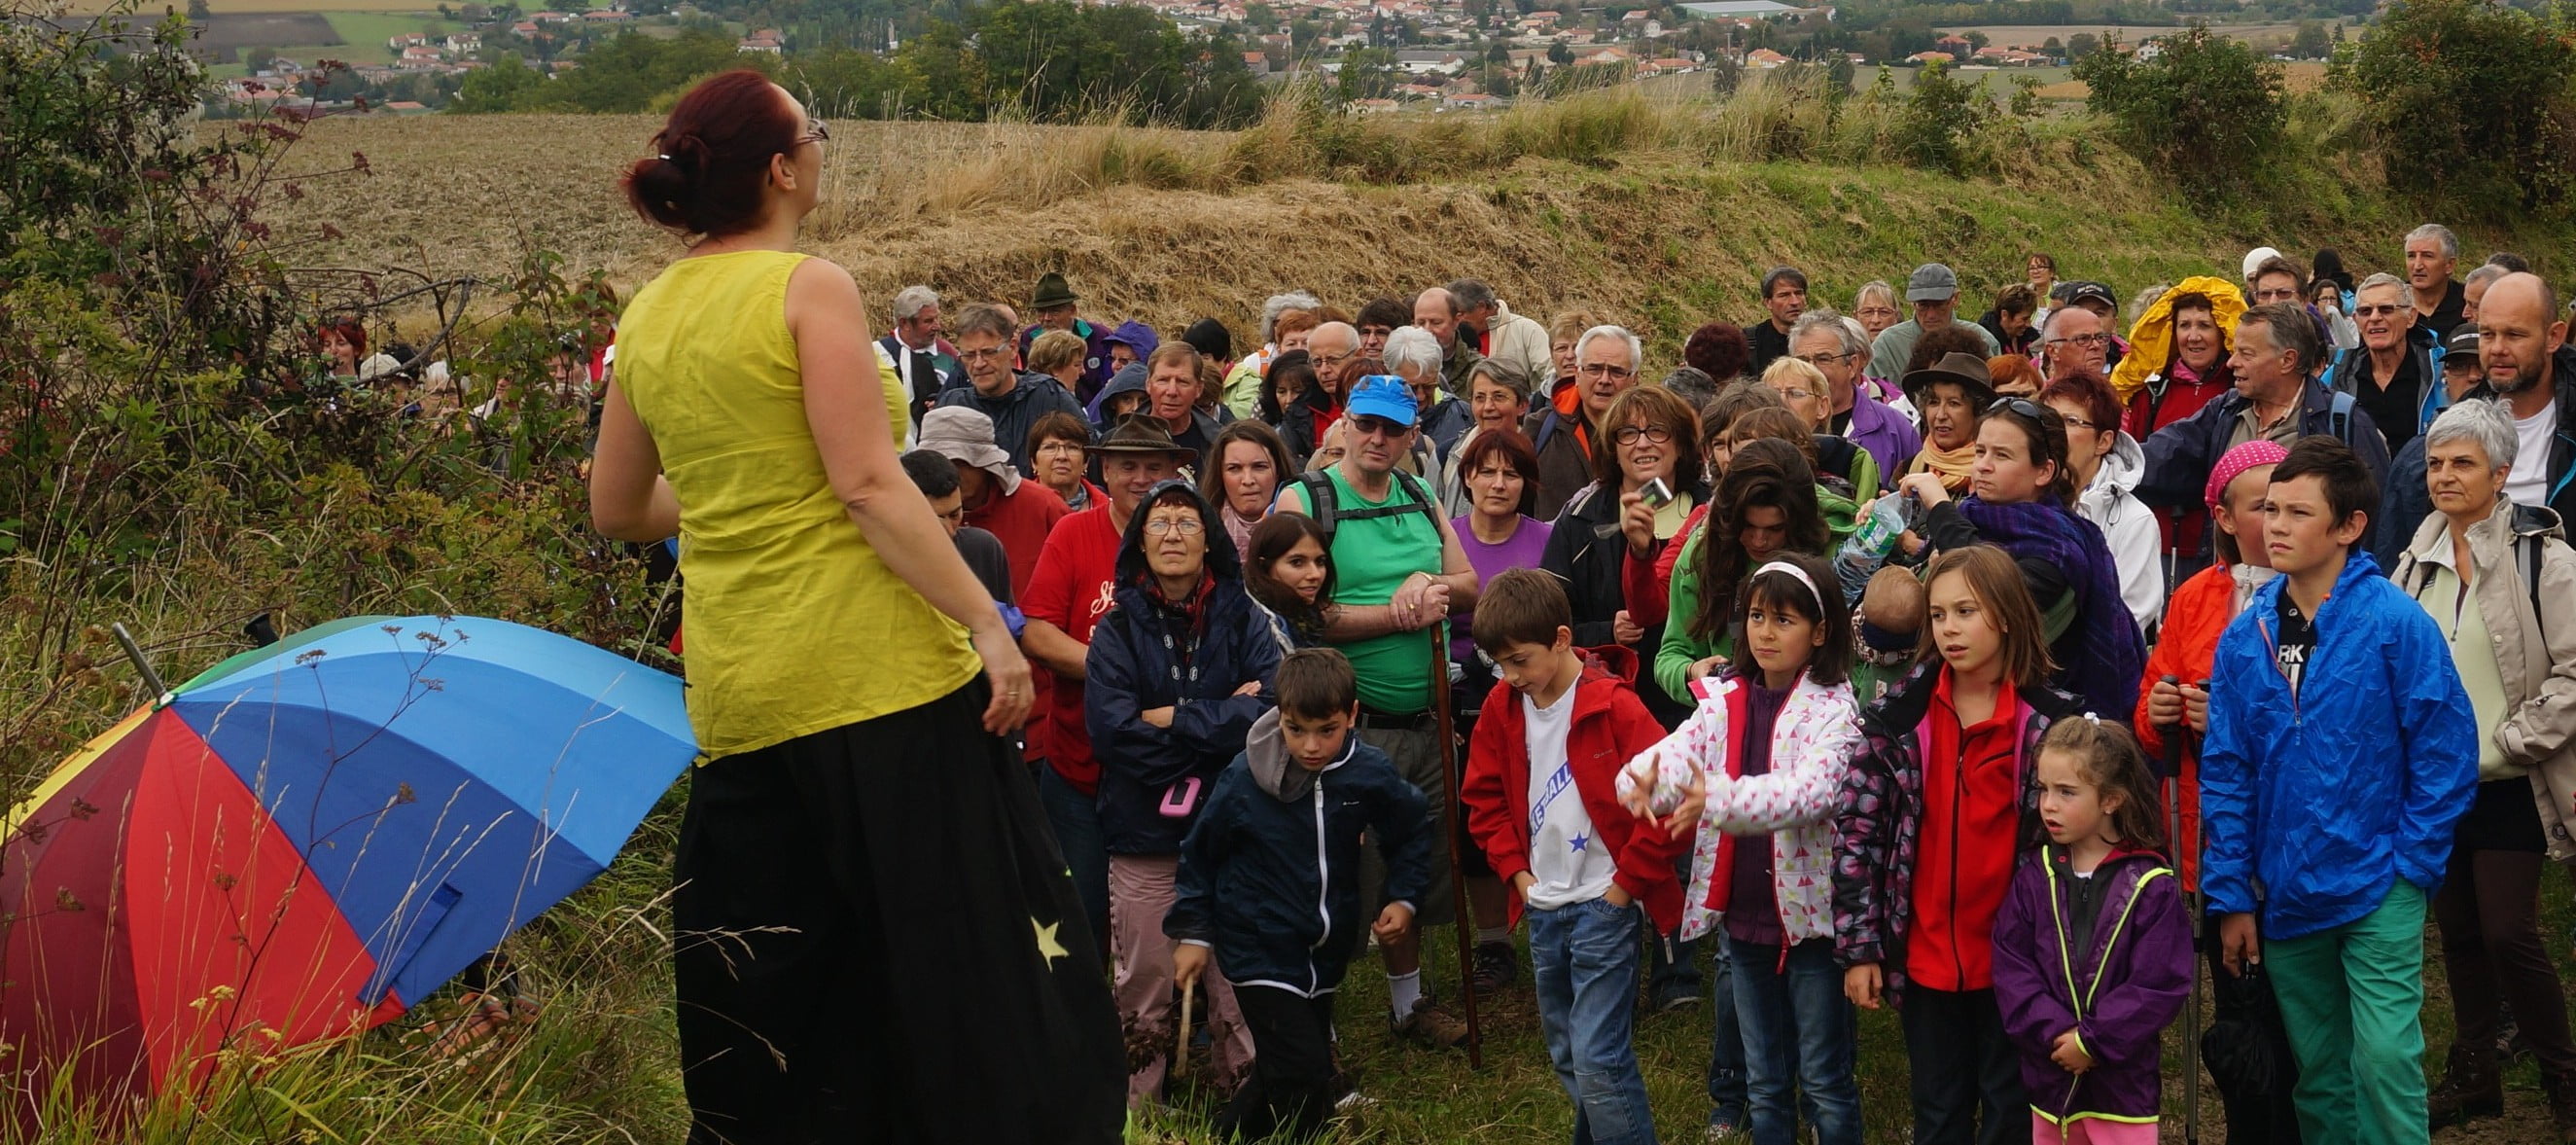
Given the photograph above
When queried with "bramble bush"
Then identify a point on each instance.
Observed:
(2208, 112)
(2467, 105)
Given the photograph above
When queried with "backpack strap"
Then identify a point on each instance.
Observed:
(2339, 417)
(1323, 505)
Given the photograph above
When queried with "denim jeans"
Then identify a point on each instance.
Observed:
(1727, 1098)
(1798, 1034)
(1075, 819)
(1583, 961)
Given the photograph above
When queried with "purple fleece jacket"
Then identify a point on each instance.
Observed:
(2118, 993)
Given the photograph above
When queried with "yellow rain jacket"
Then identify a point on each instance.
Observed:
(2151, 340)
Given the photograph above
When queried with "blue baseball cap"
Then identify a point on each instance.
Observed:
(1383, 395)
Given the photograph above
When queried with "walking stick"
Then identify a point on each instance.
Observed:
(1181, 1052)
(1457, 880)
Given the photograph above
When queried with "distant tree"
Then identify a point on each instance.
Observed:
(258, 59)
(1977, 39)
(1368, 73)
(507, 85)
(1260, 16)
(446, 13)
(1498, 53)
(2052, 47)
(2208, 111)
(1560, 54)
(2310, 42)
(2082, 44)
(2503, 151)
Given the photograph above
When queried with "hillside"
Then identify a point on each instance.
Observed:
(1173, 226)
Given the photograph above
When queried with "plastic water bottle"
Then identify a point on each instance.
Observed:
(1867, 547)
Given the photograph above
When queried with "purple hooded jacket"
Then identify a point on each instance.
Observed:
(2118, 995)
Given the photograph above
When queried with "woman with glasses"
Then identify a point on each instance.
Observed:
(1803, 388)
(2105, 463)
(2021, 499)
(1646, 480)
(1176, 674)
(1060, 452)
(852, 689)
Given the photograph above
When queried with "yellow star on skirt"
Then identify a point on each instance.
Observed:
(1047, 945)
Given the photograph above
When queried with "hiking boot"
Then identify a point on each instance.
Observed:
(2562, 1107)
(2471, 1087)
(1672, 994)
(1432, 1026)
(1496, 968)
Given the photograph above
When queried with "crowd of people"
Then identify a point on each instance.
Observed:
(1956, 667)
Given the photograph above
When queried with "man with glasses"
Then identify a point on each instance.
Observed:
(1821, 338)
(2394, 373)
(995, 388)
(1933, 291)
(2277, 279)
(2278, 396)
(1606, 361)
(2075, 343)
(1398, 570)
(1378, 318)
(1331, 349)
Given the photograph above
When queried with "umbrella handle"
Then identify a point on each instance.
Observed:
(151, 679)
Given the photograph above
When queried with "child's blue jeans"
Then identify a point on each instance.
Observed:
(1584, 961)
(1798, 1034)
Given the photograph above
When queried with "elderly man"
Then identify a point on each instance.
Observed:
(2432, 252)
(2473, 290)
(1398, 569)
(1933, 291)
(2394, 375)
(1606, 361)
(1414, 355)
(2075, 343)
(2276, 279)
(1436, 311)
(1821, 338)
(1055, 305)
(995, 387)
(1499, 332)
(1172, 394)
(923, 361)
(1020, 513)
(2277, 397)
(1784, 294)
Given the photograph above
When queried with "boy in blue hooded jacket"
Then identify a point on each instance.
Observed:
(2341, 750)
(1269, 882)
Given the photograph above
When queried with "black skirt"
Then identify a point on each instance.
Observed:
(877, 940)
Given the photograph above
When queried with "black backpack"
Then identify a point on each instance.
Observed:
(1324, 505)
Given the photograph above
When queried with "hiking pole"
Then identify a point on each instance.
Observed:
(1457, 879)
(1181, 1052)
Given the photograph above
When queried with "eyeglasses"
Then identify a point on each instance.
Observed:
(965, 355)
(1329, 359)
(1652, 434)
(2023, 407)
(1820, 361)
(1185, 526)
(2088, 341)
(1605, 370)
(1795, 394)
(2369, 311)
(2078, 422)
(1061, 446)
(815, 132)
(1368, 426)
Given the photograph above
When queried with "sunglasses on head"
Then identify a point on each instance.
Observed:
(2022, 406)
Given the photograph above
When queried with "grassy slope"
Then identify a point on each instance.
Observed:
(1651, 222)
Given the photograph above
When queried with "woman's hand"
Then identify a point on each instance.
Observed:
(1009, 672)
(1864, 985)
(1926, 488)
(1624, 628)
(1159, 717)
(1637, 520)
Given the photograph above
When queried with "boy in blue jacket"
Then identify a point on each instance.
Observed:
(2341, 750)
(1269, 885)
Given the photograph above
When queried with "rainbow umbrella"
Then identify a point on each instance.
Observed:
(309, 838)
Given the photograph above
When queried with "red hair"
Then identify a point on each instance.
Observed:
(349, 331)
(712, 164)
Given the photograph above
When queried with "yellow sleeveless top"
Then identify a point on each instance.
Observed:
(792, 624)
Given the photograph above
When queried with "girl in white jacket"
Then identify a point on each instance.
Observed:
(1757, 771)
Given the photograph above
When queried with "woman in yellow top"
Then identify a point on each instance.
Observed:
(876, 935)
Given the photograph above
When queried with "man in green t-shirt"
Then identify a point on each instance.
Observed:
(1398, 571)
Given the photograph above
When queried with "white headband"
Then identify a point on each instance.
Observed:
(1801, 574)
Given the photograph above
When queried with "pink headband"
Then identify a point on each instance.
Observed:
(2252, 455)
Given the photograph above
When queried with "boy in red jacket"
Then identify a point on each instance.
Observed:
(1542, 799)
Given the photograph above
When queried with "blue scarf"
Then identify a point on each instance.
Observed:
(2100, 656)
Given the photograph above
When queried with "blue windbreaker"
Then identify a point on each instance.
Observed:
(2327, 797)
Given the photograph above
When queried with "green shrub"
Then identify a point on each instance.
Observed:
(2467, 104)
(1939, 120)
(2208, 112)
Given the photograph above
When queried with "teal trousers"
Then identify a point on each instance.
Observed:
(2352, 998)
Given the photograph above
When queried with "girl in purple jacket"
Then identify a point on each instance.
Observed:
(2092, 950)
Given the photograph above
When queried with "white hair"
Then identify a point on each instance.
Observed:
(2486, 273)
(2439, 233)
(2383, 278)
(911, 300)
(1847, 332)
(1277, 303)
(1410, 348)
(2481, 421)
(1636, 349)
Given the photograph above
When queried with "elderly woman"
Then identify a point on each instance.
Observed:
(1176, 675)
(2502, 586)
(1245, 465)
(1413, 354)
(1649, 437)
(1874, 307)
(1498, 397)
(1803, 388)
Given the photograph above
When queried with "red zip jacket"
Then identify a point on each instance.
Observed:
(2187, 642)
(1610, 727)
(1972, 781)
